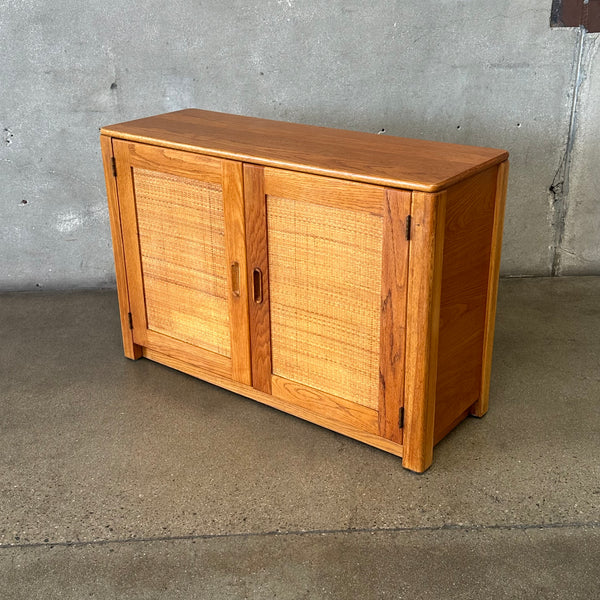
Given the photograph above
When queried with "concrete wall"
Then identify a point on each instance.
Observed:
(579, 251)
(483, 72)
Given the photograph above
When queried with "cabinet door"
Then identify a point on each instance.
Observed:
(183, 233)
(327, 272)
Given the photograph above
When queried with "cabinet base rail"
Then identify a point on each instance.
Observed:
(287, 407)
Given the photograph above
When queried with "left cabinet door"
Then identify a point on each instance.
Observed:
(182, 219)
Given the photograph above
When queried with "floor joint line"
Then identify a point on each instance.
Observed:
(309, 532)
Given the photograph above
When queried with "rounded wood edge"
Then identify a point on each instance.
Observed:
(307, 168)
(477, 410)
(443, 185)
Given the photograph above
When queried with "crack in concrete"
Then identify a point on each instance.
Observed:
(309, 532)
(559, 188)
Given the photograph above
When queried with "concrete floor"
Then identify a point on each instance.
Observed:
(123, 479)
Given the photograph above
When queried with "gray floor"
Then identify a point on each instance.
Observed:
(123, 479)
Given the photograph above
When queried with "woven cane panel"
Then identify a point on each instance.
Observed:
(181, 231)
(325, 294)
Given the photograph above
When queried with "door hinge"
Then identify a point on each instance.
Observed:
(113, 162)
(130, 320)
(408, 224)
(401, 417)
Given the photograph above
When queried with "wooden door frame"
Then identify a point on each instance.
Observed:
(130, 348)
(393, 206)
(226, 173)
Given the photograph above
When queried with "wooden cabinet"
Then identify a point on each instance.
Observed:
(346, 278)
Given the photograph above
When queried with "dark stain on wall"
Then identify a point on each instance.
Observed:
(576, 13)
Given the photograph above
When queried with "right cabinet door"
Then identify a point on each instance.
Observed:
(327, 273)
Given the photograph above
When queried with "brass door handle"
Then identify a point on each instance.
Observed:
(235, 278)
(257, 285)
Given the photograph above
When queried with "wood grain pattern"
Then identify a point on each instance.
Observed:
(210, 361)
(326, 191)
(185, 164)
(235, 249)
(325, 268)
(380, 159)
(422, 321)
(323, 403)
(130, 348)
(393, 312)
(256, 248)
(283, 405)
(481, 406)
(449, 426)
(467, 242)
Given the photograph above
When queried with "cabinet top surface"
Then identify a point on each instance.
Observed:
(371, 158)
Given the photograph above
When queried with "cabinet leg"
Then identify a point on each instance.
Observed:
(422, 324)
(130, 348)
(133, 351)
(478, 409)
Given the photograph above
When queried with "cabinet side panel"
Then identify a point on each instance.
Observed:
(467, 247)
(131, 350)
(481, 406)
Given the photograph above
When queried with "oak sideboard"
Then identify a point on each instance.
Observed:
(347, 278)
